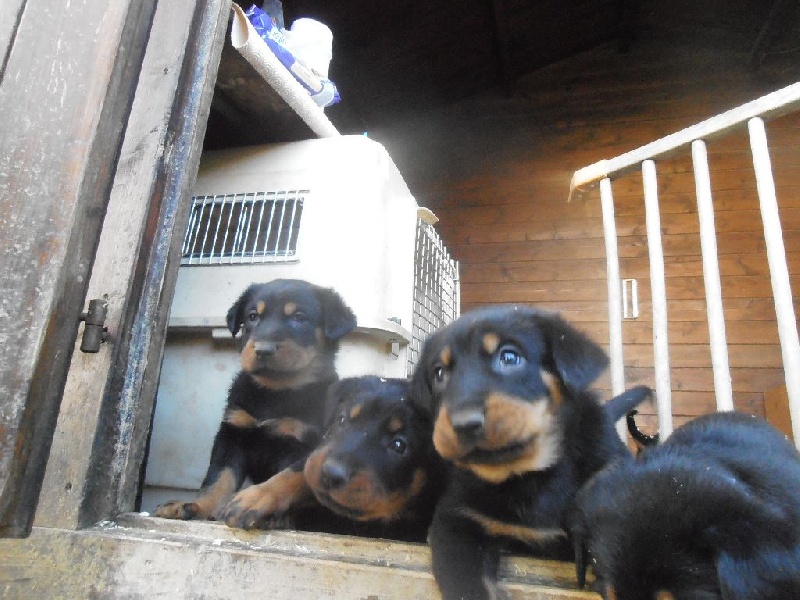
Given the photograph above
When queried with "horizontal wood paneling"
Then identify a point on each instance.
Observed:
(496, 172)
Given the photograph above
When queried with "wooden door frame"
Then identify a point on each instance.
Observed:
(57, 223)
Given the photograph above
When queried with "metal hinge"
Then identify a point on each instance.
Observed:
(94, 332)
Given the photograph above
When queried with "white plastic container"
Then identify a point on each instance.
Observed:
(356, 235)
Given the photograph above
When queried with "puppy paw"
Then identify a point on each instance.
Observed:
(254, 507)
(176, 509)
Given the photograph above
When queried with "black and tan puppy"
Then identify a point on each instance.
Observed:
(376, 465)
(375, 472)
(713, 513)
(507, 387)
(276, 404)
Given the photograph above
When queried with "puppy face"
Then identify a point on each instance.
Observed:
(372, 462)
(290, 331)
(495, 382)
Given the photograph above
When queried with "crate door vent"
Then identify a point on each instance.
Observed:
(436, 289)
(250, 228)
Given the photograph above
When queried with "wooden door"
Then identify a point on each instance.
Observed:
(93, 184)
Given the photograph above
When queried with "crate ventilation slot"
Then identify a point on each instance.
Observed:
(250, 228)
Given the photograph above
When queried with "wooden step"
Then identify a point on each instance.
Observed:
(144, 557)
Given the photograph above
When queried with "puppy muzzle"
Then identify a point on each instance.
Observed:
(469, 426)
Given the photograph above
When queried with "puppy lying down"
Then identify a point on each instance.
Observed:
(712, 513)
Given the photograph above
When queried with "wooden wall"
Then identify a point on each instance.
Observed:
(496, 171)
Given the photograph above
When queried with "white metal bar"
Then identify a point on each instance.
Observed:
(616, 365)
(659, 299)
(280, 252)
(261, 197)
(236, 243)
(779, 102)
(290, 228)
(241, 247)
(191, 232)
(708, 246)
(779, 272)
(227, 229)
(212, 202)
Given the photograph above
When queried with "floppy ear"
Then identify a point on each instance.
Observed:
(757, 555)
(577, 359)
(421, 392)
(337, 317)
(235, 317)
(766, 573)
(337, 393)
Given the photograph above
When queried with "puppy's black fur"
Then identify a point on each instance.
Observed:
(276, 404)
(375, 473)
(507, 387)
(712, 513)
(376, 465)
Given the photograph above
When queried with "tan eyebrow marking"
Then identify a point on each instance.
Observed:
(396, 424)
(261, 306)
(355, 411)
(445, 355)
(289, 308)
(551, 381)
(491, 341)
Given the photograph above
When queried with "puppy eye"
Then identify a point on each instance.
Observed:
(300, 317)
(252, 316)
(399, 445)
(509, 358)
(440, 376)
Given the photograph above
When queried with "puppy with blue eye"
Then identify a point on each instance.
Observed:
(507, 389)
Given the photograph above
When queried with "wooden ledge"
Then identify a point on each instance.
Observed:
(138, 556)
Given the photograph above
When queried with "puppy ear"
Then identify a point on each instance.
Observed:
(338, 318)
(421, 392)
(753, 538)
(235, 317)
(337, 393)
(577, 359)
(765, 573)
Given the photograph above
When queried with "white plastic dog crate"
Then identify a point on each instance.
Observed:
(333, 211)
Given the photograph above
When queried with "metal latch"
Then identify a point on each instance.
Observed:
(95, 332)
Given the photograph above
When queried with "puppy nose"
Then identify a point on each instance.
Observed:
(265, 348)
(334, 474)
(468, 425)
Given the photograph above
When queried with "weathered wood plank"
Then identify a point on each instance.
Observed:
(10, 13)
(114, 276)
(65, 92)
(143, 557)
